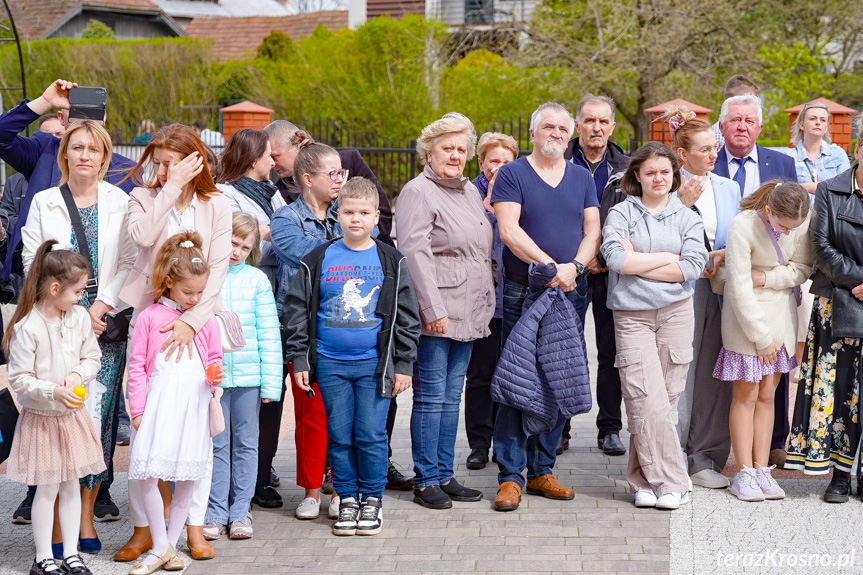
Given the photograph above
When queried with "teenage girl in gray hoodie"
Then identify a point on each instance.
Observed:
(654, 247)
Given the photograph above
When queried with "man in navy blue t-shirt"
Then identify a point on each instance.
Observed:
(547, 212)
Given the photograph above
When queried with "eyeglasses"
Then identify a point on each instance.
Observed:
(334, 175)
(707, 150)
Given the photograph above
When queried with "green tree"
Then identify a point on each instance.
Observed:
(638, 52)
(97, 30)
(796, 75)
(277, 47)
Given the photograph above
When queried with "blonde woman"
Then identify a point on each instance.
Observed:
(447, 239)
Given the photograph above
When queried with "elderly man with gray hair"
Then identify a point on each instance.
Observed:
(606, 161)
(751, 165)
(284, 154)
(547, 212)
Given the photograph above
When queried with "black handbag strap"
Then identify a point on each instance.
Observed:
(81, 238)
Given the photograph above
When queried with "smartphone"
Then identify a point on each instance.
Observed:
(86, 103)
(311, 394)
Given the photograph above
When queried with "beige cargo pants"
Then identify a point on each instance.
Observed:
(654, 350)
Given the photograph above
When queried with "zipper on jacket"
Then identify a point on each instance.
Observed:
(848, 219)
(393, 324)
(312, 313)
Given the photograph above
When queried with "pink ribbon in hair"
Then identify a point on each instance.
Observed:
(675, 122)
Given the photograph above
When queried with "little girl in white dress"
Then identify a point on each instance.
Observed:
(169, 398)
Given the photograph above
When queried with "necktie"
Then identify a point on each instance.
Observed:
(740, 176)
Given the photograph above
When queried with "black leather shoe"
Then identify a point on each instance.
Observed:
(45, 567)
(477, 459)
(268, 497)
(562, 444)
(432, 497)
(458, 492)
(74, 566)
(611, 445)
(397, 481)
(839, 490)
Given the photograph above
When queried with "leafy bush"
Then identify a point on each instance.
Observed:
(96, 30)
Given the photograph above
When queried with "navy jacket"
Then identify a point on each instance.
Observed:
(542, 370)
(36, 158)
(771, 165)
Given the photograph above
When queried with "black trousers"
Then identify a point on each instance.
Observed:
(609, 396)
(270, 423)
(781, 426)
(479, 409)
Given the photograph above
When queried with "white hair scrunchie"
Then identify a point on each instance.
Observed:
(187, 244)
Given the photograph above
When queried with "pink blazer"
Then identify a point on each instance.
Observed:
(147, 341)
(149, 209)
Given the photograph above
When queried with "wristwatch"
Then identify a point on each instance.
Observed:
(578, 267)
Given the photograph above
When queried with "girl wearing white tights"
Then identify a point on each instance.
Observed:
(52, 350)
(169, 398)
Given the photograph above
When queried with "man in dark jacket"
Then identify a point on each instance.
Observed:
(594, 123)
(280, 133)
(36, 157)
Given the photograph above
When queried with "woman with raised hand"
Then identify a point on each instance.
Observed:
(180, 197)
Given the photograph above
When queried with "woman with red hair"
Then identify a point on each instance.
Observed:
(179, 196)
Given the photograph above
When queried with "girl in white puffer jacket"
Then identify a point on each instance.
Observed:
(252, 375)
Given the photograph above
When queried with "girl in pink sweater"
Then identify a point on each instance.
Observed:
(168, 398)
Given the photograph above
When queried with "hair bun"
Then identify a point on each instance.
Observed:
(677, 117)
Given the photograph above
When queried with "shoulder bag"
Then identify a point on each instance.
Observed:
(117, 325)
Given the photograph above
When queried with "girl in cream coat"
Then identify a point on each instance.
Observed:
(767, 258)
(83, 159)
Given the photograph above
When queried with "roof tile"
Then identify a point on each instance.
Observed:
(229, 44)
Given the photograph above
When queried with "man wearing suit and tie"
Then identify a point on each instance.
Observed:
(750, 165)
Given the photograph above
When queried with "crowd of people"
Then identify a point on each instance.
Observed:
(218, 283)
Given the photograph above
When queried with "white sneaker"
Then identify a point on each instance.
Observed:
(333, 511)
(309, 508)
(672, 500)
(709, 479)
(645, 498)
(768, 485)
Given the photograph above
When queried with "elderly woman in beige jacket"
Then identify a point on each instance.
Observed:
(447, 239)
(768, 256)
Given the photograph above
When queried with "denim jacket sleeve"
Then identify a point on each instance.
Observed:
(290, 241)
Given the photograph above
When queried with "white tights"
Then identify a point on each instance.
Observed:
(154, 509)
(43, 517)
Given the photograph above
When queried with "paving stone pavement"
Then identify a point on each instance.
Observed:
(600, 532)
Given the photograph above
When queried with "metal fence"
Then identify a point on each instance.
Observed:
(395, 161)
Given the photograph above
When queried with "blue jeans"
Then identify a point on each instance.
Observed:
(235, 456)
(513, 449)
(439, 374)
(356, 425)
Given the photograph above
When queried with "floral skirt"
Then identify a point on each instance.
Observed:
(733, 366)
(825, 430)
(111, 376)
